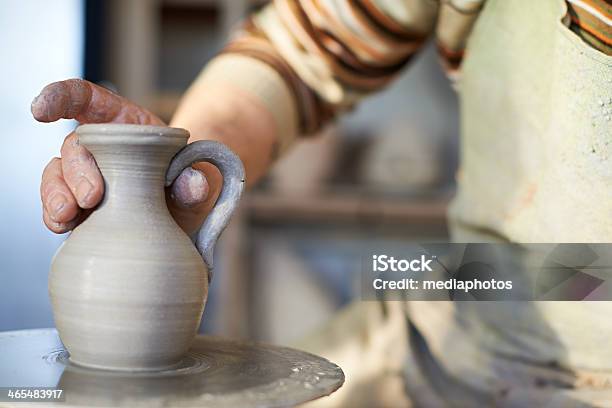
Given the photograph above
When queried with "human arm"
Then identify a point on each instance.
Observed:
(291, 69)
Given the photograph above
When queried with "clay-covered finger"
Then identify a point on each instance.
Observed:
(59, 227)
(59, 204)
(81, 173)
(190, 200)
(190, 188)
(88, 103)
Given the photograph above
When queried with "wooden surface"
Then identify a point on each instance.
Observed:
(345, 207)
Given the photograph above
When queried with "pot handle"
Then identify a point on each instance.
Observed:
(232, 170)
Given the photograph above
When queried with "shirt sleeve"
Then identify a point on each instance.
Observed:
(333, 53)
(453, 27)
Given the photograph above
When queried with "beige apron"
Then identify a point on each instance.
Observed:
(536, 139)
(536, 107)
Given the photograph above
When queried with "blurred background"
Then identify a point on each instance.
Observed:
(291, 257)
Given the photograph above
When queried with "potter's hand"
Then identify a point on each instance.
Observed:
(72, 185)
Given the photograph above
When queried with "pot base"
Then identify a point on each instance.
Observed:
(126, 370)
(216, 373)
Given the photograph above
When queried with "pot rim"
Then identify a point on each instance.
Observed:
(123, 129)
(130, 134)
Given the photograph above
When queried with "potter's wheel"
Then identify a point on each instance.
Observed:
(216, 373)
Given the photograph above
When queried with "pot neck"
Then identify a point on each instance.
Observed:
(134, 174)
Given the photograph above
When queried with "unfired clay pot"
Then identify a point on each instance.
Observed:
(128, 287)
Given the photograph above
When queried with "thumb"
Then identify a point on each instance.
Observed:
(190, 189)
(193, 194)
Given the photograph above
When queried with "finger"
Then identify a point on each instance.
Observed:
(88, 103)
(58, 203)
(190, 188)
(81, 173)
(189, 206)
(59, 227)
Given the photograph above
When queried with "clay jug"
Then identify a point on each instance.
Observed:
(128, 287)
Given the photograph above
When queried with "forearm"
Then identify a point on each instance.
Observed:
(268, 85)
(223, 113)
(244, 104)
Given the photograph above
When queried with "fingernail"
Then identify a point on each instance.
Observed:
(35, 107)
(83, 190)
(58, 227)
(56, 204)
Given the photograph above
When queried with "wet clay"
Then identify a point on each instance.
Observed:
(128, 287)
(215, 372)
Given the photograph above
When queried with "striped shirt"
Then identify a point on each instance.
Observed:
(332, 53)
